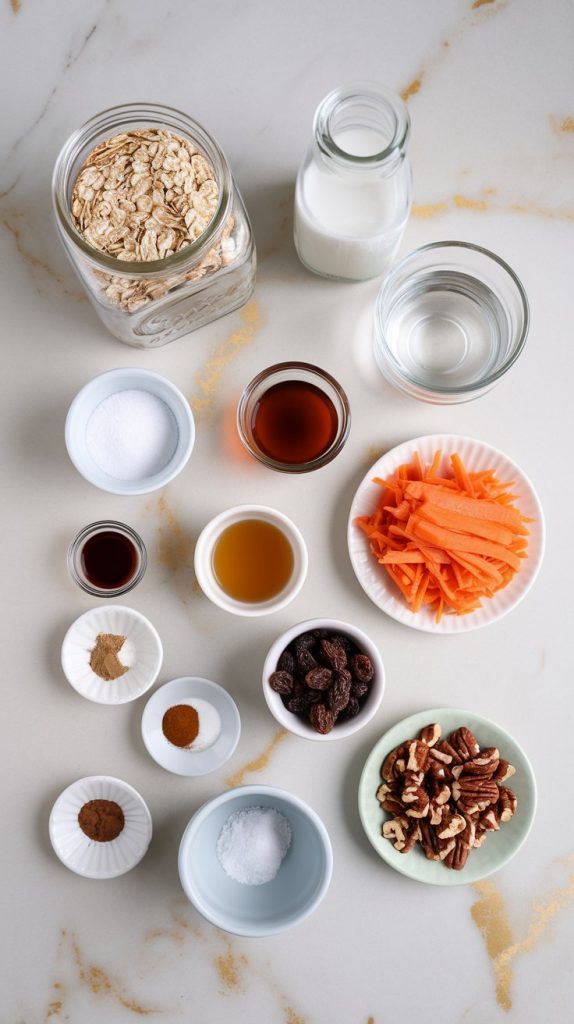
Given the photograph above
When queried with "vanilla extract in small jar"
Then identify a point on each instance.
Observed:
(294, 417)
(107, 559)
(153, 223)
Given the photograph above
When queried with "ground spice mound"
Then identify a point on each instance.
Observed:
(101, 820)
(104, 659)
(180, 725)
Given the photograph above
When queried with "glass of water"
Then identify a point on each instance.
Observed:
(451, 318)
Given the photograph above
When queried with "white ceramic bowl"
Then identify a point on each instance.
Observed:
(298, 725)
(476, 455)
(142, 651)
(498, 847)
(255, 910)
(94, 859)
(195, 691)
(100, 388)
(203, 559)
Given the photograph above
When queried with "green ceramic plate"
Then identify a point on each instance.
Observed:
(498, 847)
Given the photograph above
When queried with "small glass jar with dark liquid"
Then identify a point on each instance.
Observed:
(107, 559)
(294, 417)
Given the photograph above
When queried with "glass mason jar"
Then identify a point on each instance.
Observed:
(147, 304)
(353, 194)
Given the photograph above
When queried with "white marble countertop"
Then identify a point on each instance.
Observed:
(490, 91)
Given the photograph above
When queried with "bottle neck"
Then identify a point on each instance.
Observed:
(362, 128)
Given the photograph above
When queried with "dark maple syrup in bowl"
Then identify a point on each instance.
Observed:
(294, 417)
(107, 559)
(295, 422)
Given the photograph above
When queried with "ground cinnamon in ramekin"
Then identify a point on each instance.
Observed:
(101, 820)
(180, 725)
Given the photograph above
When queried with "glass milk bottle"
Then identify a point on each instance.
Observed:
(353, 194)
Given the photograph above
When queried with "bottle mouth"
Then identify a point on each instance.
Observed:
(362, 126)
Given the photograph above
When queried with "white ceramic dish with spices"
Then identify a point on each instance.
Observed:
(204, 559)
(129, 431)
(131, 670)
(256, 910)
(300, 725)
(94, 858)
(217, 726)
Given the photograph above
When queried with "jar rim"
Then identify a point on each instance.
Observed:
(378, 96)
(112, 121)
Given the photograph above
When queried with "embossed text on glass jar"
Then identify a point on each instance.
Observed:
(353, 194)
(147, 304)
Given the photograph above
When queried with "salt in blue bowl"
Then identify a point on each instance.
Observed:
(256, 910)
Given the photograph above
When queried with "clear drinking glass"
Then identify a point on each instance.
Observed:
(353, 193)
(147, 304)
(451, 318)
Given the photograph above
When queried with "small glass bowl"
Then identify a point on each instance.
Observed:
(451, 318)
(76, 569)
(293, 371)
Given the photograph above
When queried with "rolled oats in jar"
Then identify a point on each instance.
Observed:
(153, 223)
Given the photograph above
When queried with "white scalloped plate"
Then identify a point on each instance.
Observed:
(94, 859)
(142, 651)
(476, 456)
(498, 848)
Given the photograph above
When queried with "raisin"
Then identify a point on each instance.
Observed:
(338, 696)
(303, 642)
(344, 642)
(312, 696)
(359, 689)
(281, 682)
(362, 668)
(286, 662)
(319, 678)
(305, 660)
(352, 708)
(334, 655)
(321, 718)
(297, 705)
(320, 634)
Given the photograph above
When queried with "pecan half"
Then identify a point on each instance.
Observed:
(464, 742)
(430, 734)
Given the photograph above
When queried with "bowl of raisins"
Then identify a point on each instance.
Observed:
(323, 679)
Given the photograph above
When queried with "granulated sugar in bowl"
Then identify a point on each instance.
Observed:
(129, 431)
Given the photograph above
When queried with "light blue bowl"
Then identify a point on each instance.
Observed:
(256, 910)
(100, 388)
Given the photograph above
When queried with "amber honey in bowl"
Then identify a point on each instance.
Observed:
(252, 561)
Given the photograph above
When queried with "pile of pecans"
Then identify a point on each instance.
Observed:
(324, 677)
(444, 794)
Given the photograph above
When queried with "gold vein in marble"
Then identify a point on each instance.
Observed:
(208, 379)
(424, 211)
(257, 765)
(412, 88)
(230, 966)
(36, 263)
(489, 914)
(101, 984)
(15, 5)
(174, 545)
(481, 3)
(468, 203)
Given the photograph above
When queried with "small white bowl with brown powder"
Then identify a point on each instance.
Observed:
(100, 827)
(111, 655)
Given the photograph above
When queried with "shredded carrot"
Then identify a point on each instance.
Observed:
(446, 542)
